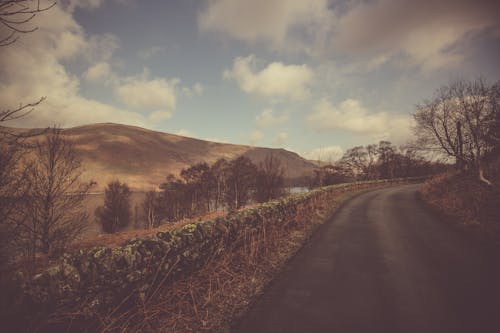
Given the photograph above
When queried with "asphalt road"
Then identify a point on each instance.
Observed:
(383, 263)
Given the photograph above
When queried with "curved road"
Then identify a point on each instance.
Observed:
(383, 264)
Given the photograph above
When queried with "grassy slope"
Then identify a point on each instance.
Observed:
(143, 158)
(466, 202)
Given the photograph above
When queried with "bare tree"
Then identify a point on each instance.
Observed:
(53, 205)
(240, 182)
(458, 123)
(15, 17)
(115, 214)
(220, 172)
(361, 161)
(270, 179)
(150, 210)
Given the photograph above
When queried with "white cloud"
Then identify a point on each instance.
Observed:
(268, 119)
(97, 72)
(33, 67)
(255, 137)
(350, 115)
(159, 116)
(275, 80)
(151, 52)
(185, 132)
(280, 139)
(271, 21)
(198, 88)
(325, 154)
(141, 93)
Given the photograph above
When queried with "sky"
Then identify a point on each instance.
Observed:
(314, 77)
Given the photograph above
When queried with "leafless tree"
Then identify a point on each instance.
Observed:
(115, 214)
(270, 179)
(240, 182)
(150, 210)
(220, 172)
(361, 161)
(458, 121)
(15, 17)
(53, 205)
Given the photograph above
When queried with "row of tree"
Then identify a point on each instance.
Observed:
(376, 161)
(198, 189)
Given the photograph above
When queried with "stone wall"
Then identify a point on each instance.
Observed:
(100, 278)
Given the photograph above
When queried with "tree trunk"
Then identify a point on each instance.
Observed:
(481, 176)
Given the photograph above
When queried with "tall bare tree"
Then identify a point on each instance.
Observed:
(240, 182)
(458, 122)
(151, 210)
(54, 210)
(220, 171)
(270, 179)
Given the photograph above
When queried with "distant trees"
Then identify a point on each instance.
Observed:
(461, 122)
(270, 179)
(361, 161)
(225, 184)
(240, 182)
(150, 210)
(116, 213)
(375, 161)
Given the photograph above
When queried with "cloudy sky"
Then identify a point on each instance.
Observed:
(315, 77)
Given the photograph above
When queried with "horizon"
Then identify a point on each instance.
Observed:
(312, 78)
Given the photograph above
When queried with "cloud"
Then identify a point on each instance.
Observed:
(185, 132)
(271, 21)
(141, 93)
(255, 137)
(275, 80)
(426, 32)
(350, 115)
(280, 139)
(268, 119)
(196, 90)
(159, 116)
(423, 34)
(151, 52)
(328, 153)
(34, 66)
(98, 72)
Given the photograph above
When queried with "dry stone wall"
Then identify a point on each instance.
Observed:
(101, 277)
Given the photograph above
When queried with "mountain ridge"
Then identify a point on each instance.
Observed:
(143, 158)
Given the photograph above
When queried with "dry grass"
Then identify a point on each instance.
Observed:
(210, 299)
(461, 199)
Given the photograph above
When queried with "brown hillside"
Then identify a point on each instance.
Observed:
(143, 158)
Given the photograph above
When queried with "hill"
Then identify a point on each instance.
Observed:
(143, 158)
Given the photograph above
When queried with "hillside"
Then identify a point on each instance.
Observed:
(143, 158)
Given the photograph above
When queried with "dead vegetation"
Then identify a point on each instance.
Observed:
(467, 202)
(209, 299)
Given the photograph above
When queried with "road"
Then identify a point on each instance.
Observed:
(383, 263)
